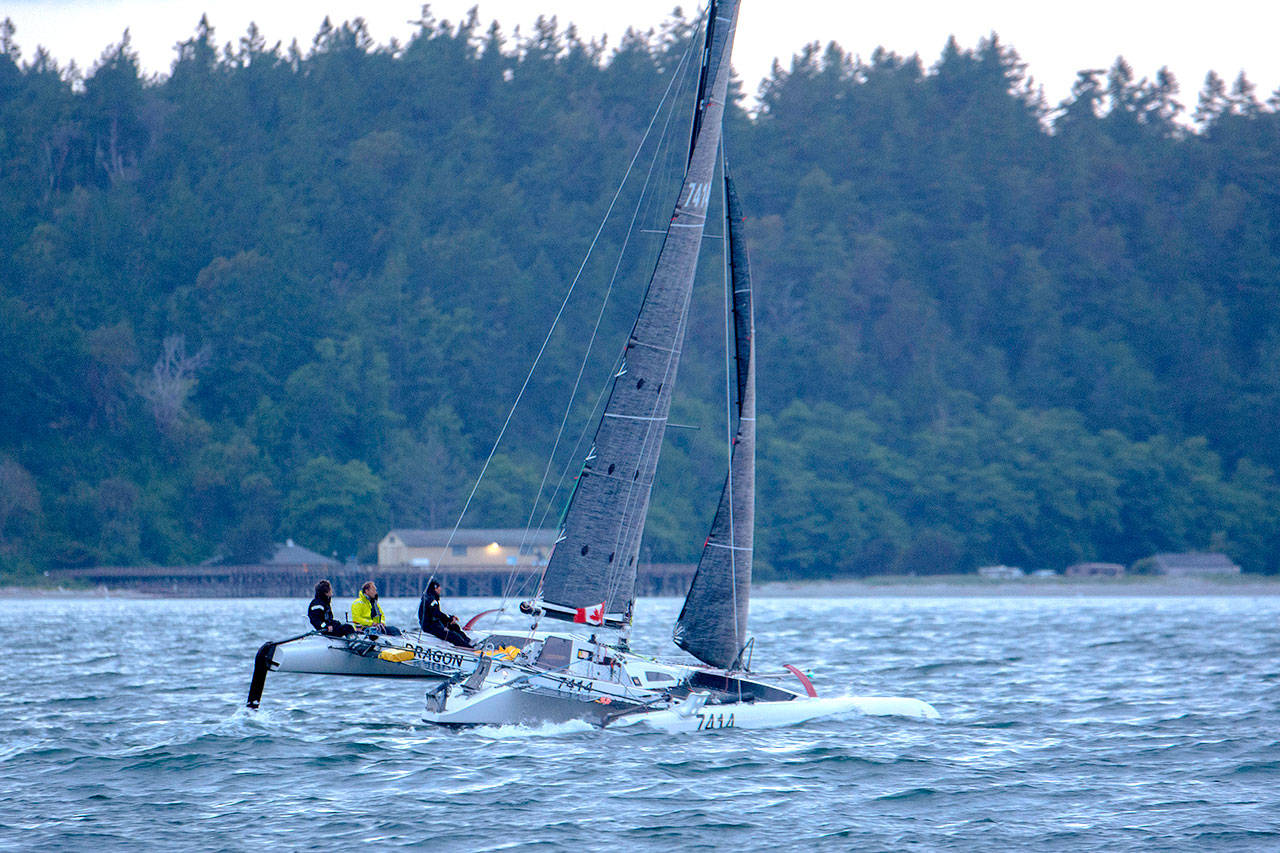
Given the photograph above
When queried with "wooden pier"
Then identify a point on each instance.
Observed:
(293, 581)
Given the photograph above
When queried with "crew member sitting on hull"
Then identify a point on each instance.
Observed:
(436, 622)
(320, 612)
(366, 612)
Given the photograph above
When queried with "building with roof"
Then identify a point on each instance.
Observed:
(479, 548)
(1195, 564)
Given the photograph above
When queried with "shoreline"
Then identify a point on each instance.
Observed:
(972, 586)
(888, 586)
(63, 592)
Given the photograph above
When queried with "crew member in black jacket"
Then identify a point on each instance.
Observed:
(435, 621)
(320, 612)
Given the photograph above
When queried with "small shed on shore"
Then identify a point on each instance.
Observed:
(1095, 570)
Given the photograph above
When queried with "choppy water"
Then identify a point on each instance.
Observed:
(1068, 724)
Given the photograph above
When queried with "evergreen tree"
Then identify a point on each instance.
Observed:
(292, 292)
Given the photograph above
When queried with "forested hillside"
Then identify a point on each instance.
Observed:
(286, 292)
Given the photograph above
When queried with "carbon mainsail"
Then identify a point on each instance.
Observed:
(713, 623)
(595, 559)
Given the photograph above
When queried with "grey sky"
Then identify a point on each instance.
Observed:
(1056, 40)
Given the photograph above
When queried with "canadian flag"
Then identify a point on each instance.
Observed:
(590, 615)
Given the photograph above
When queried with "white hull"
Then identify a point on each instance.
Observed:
(508, 705)
(502, 705)
(623, 693)
(516, 694)
(411, 655)
(767, 715)
(333, 656)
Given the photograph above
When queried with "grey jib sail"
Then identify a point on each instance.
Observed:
(713, 624)
(595, 560)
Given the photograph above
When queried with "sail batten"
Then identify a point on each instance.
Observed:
(596, 560)
(713, 622)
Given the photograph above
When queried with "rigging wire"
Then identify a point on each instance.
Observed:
(632, 506)
(647, 202)
(595, 330)
(646, 199)
(637, 498)
(680, 73)
(560, 311)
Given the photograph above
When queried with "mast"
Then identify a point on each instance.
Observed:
(594, 561)
(713, 623)
(706, 74)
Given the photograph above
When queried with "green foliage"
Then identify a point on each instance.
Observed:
(339, 508)
(292, 294)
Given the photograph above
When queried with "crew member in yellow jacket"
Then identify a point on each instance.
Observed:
(367, 613)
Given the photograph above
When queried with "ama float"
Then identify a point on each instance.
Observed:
(593, 675)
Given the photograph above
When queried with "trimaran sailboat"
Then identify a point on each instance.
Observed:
(590, 577)
(541, 676)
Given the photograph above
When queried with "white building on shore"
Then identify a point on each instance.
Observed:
(471, 548)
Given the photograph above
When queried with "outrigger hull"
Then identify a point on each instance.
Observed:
(333, 656)
(411, 655)
(606, 686)
(768, 715)
(505, 704)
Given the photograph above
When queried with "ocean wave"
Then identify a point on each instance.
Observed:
(1059, 733)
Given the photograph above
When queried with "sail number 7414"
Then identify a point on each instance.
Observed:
(707, 722)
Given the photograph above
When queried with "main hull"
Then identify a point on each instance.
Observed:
(504, 705)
